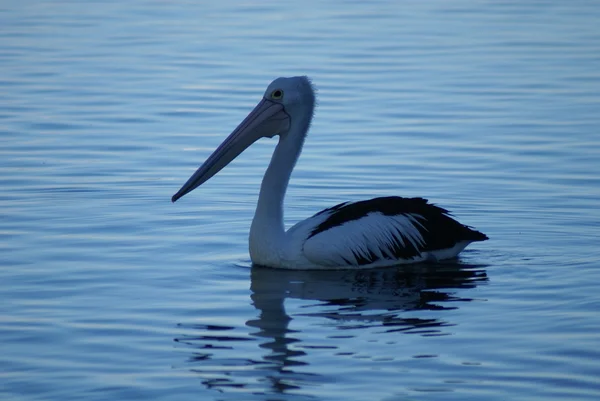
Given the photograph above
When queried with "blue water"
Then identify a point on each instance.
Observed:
(110, 292)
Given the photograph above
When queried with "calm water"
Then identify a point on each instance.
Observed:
(110, 292)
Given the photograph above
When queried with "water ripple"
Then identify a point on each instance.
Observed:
(488, 109)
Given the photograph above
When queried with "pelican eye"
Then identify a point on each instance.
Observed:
(277, 94)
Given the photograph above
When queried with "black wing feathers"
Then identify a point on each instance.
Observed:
(438, 229)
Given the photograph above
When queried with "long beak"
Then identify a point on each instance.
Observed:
(267, 119)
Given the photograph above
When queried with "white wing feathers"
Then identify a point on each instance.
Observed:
(369, 238)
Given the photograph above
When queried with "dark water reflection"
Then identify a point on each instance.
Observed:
(354, 301)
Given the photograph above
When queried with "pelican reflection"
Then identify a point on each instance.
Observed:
(376, 300)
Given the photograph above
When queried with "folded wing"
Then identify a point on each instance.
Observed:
(389, 228)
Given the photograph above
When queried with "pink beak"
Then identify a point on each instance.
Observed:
(266, 120)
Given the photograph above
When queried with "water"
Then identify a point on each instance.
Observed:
(110, 292)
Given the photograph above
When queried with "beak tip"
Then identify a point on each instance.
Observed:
(174, 198)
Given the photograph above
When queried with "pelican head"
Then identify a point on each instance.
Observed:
(286, 103)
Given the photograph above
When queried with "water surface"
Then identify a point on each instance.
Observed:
(109, 291)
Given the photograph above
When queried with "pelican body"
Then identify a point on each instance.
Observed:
(378, 232)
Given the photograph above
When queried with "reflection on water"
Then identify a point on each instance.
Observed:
(373, 300)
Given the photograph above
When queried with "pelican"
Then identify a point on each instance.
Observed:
(378, 232)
